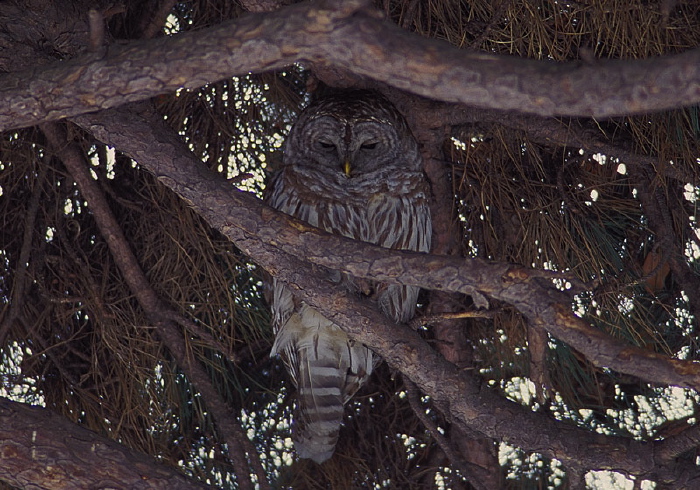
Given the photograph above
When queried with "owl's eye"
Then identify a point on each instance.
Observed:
(369, 146)
(325, 145)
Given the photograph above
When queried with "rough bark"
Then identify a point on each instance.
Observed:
(238, 214)
(39, 449)
(342, 34)
(259, 231)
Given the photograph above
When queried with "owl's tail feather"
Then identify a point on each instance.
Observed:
(327, 369)
(319, 408)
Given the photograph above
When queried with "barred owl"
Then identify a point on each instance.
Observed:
(351, 167)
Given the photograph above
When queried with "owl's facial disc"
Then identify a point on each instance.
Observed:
(357, 154)
(352, 147)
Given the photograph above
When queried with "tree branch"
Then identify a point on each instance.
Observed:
(41, 449)
(258, 231)
(248, 222)
(462, 397)
(342, 34)
(231, 431)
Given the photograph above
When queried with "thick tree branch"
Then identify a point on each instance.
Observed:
(234, 435)
(463, 398)
(40, 449)
(240, 216)
(258, 231)
(352, 38)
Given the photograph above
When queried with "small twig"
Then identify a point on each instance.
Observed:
(422, 321)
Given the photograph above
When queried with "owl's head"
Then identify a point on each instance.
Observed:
(352, 133)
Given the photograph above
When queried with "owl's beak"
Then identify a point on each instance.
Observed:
(347, 168)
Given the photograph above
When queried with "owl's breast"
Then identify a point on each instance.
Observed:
(321, 203)
(376, 207)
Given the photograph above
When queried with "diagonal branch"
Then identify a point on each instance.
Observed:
(342, 34)
(234, 435)
(469, 404)
(259, 231)
(249, 223)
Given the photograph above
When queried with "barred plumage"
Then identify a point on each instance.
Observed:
(351, 167)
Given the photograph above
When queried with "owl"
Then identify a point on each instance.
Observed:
(351, 167)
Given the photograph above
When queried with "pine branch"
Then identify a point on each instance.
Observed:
(267, 235)
(44, 450)
(248, 222)
(341, 34)
(468, 404)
